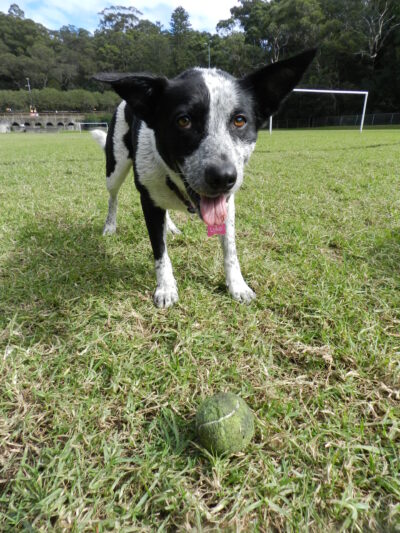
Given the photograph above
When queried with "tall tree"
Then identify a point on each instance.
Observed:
(181, 34)
(18, 37)
(180, 23)
(16, 11)
(378, 21)
(119, 18)
(358, 42)
(277, 26)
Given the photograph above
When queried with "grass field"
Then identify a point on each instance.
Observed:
(99, 388)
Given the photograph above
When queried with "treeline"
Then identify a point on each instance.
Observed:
(57, 100)
(358, 48)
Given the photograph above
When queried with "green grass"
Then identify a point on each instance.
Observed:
(99, 389)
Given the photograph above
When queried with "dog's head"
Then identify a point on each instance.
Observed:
(205, 121)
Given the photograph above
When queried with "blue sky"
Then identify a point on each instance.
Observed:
(204, 14)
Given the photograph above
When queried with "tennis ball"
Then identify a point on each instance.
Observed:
(224, 423)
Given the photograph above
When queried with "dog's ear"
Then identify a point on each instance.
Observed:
(270, 85)
(140, 91)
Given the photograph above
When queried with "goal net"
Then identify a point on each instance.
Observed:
(335, 91)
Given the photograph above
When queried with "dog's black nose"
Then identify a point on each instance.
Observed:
(220, 177)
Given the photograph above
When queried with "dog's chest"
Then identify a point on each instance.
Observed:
(153, 174)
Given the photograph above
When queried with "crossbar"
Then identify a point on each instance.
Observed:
(334, 91)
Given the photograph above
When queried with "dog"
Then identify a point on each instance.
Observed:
(188, 140)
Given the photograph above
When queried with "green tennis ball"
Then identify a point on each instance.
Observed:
(224, 423)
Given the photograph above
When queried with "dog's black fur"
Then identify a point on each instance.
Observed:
(189, 139)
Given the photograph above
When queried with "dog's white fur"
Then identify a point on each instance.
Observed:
(151, 168)
(208, 161)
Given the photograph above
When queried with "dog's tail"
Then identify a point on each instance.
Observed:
(100, 137)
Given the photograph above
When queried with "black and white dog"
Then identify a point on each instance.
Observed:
(189, 139)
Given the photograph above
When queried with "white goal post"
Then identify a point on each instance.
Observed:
(89, 125)
(332, 91)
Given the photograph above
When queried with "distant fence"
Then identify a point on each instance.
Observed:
(372, 119)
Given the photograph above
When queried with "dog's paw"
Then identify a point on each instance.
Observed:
(165, 296)
(171, 228)
(174, 230)
(241, 292)
(109, 229)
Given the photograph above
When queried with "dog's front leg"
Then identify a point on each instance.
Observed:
(234, 279)
(166, 293)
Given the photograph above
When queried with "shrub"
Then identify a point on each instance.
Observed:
(15, 100)
(50, 99)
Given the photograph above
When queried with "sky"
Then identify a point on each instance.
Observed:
(204, 14)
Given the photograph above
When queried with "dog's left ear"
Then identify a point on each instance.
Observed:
(270, 85)
(140, 91)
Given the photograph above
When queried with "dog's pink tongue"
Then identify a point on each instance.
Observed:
(213, 210)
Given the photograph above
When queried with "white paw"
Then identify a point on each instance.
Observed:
(165, 296)
(109, 229)
(241, 292)
(171, 228)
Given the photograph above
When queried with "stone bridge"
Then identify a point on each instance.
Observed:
(18, 121)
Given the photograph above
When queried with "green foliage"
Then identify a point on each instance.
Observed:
(55, 100)
(358, 42)
(180, 23)
(15, 100)
(234, 54)
(119, 18)
(16, 11)
(346, 33)
(181, 39)
(102, 117)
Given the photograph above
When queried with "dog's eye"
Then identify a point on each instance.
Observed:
(184, 122)
(239, 121)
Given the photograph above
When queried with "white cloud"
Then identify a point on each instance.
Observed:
(204, 14)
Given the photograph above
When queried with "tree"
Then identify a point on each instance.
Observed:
(180, 24)
(115, 50)
(43, 61)
(119, 18)
(233, 54)
(16, 11)
(77, 58)
(358, 42)
(277, 26)
(151, 48)
(377, 24)
(181, 37)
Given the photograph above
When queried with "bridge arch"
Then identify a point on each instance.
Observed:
(21, 121)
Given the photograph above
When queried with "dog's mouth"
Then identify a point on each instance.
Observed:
(211, 209)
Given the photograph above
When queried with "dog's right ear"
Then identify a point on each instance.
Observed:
(140, 91)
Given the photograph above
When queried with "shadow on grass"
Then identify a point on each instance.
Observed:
(54, 264)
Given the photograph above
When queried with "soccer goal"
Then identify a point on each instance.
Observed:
(88, 126)
(333, 91)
